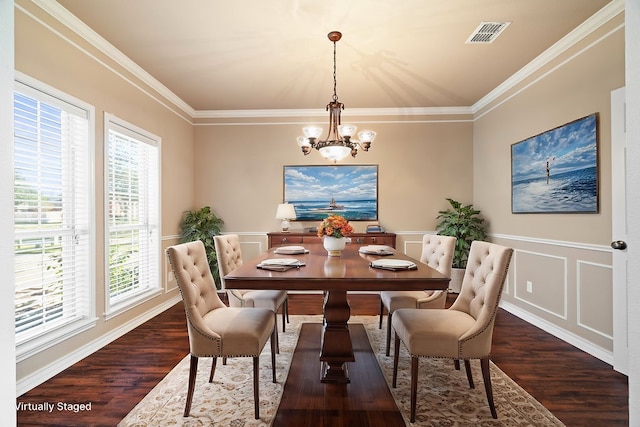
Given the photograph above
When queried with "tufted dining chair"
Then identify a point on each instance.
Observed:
(216, 330)
(437, 252)
(230, 258)
(464, 330)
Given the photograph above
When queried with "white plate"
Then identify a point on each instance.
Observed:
(393, 263)
(280, 261)
(376, 248)
(291, 248)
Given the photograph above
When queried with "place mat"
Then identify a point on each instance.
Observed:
(280, 264)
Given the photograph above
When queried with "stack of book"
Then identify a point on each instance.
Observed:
(374, 228)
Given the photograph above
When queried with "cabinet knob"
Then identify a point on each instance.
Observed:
(284, 239)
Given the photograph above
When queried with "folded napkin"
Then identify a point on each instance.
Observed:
(291, 250)
(394, 264)
(280, 264)
(376, 250)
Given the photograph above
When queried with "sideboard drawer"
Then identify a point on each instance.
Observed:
(374, 240)
(312, 239)
(283, 239)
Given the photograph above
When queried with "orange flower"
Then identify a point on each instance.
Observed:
(335, 226)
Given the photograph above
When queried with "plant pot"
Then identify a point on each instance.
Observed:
(455, 285)
(334, 245)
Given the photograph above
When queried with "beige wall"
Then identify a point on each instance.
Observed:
(239, 171)
(45, 54)
(235, 166)
(566, 257)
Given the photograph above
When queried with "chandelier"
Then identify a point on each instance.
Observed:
(339, 142)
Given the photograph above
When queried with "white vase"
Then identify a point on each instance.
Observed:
(334, 245)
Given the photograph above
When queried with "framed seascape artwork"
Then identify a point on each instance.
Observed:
(557, 171)
(318, 191)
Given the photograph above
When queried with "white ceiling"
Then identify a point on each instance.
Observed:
(259, 54)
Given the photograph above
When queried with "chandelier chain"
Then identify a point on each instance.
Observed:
(335, 95)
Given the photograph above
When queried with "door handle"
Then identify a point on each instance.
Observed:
(619, 245)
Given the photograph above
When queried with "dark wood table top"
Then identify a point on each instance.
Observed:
(351, 271)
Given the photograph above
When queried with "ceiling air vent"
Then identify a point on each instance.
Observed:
(487, 32)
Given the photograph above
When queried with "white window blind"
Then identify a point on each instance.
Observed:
(52, 211)
(133, 206)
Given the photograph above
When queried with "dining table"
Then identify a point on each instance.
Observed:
(358, 268)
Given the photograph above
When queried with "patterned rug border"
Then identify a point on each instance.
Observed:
(228, 401)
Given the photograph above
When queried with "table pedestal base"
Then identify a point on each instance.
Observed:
(336, 350)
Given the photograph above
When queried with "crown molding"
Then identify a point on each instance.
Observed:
(73, 23)
(600, 18)
(69, 20)
(270, 113)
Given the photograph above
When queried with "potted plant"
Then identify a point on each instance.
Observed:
(465, 224)
(202, 224)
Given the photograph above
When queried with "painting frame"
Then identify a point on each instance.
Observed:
(557, 171)
(317, 191)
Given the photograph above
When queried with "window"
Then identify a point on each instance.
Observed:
(132, 216)
(53, 211)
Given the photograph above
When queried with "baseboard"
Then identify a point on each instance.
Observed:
(568, 337)
(38, 377)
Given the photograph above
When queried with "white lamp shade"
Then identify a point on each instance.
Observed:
(367, 135)
(285, 211)
(303, 141)
(312, 131)
(347, 130)
(335, 152)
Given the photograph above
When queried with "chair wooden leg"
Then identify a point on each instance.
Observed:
(467, 367)
(273, 353)
(456, 364)
(256, 390)
(213, 369)
(275, 318)
(396, 354)
(285, 315)
(414, 387)
(193, 370)
(389, 315)
(486, 376)
(381, 314)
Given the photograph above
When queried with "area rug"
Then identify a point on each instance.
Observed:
(444, 396)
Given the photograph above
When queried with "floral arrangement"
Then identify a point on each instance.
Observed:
(335, 226)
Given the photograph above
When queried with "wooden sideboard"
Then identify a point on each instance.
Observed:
(296, 238)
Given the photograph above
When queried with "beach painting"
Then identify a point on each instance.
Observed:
(315, 192)
(557, 171)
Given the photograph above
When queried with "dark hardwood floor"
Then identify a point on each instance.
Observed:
(577, 388)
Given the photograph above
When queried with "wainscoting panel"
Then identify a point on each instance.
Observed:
(595, 290)
(541, 281)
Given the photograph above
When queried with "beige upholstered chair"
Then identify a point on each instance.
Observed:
(464, 330)
(216, 330)
(437, 252)
(230, 258)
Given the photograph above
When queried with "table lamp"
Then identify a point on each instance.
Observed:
(285, 212)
